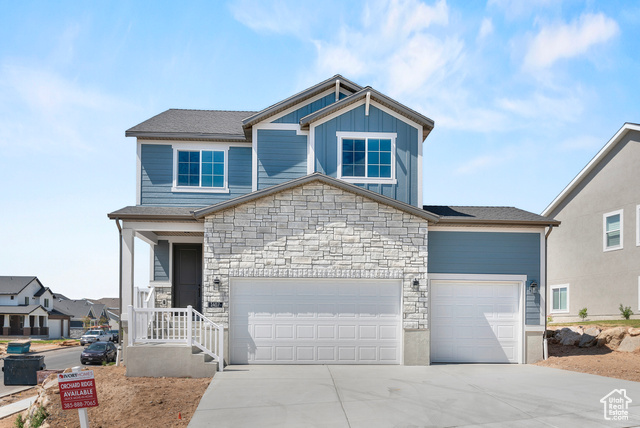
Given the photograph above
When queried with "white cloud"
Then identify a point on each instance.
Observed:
(279, 17)
(561, 41)
(478, 164)
(518, 9)
(567, 108)
(40, 109)
(486, 28)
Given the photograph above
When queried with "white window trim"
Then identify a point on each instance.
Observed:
(367, 135)
(200, 147)
(604, 231)
(638, 226)
(559, 311)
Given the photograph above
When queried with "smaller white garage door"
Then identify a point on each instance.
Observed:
(55, 329)
(315, 321)
(476, 322)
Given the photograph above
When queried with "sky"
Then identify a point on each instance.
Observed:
(523, 95)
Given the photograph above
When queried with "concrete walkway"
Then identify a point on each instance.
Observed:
(399, 396)
(16, 407)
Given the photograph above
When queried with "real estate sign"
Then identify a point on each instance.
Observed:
(77, 390)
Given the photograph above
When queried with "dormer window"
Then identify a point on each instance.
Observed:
(200, 170)
(366, 157)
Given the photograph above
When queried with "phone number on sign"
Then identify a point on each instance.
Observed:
(79, 404)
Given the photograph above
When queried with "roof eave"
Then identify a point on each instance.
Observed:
(300, 96)
(143, 217)
(591, 165)
(537, 223)
(203, 212)
(188, 135)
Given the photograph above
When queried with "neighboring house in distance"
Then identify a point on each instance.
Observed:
(26, 308)
(301, 231)
(112, 310)
(78, 311)
(594, 258)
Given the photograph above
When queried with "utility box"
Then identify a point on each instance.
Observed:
(22, 369)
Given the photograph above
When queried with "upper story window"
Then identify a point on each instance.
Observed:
(612, 230)
(366, 157)
(26, 301)
(200, 170)
(46, 303)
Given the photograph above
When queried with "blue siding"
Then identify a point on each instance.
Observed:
(296, 115)
(489, 253)
(282, 156)
(157, 177)
(161, 261)
(326, 149)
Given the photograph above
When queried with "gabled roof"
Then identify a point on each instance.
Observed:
(627, 127)
(20, 310)
(276, 108)
(42, 291)
(427, 124)
(316, 176)
(488, 215)
(74, 308)
(15, 284)
(193, 125)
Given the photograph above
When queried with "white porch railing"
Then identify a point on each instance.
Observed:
(177, 325)
(144, 297)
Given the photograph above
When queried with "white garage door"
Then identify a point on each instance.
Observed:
(55, 329)
(317, 321)
(475, 322)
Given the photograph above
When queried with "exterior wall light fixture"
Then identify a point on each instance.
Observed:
(533, 287)
(216, 282)
(416, 283)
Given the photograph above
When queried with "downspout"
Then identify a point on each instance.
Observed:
(545, 344)
(120, 281)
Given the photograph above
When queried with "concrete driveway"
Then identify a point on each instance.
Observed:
(399, 396)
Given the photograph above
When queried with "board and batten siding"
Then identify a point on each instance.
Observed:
(157, 178)
(355, 120)
(282, 156)
(501, 253)
(161, 261)
(296, 115)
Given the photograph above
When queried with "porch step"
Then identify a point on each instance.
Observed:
(168, 360)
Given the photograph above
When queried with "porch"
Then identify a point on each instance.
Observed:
(31, 320)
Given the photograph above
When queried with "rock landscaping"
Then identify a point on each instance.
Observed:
(616, 338)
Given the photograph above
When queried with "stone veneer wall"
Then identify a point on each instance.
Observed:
(316, 231)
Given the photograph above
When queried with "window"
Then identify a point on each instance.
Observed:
(200, 170)
(366, 157)
(26, 301)
(560, 298)
(46, 303)
(612, 231)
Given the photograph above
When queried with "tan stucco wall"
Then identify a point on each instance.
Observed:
(599, 280)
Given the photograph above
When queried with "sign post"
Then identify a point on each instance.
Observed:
(78, 391)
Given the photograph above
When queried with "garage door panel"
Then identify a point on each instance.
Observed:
(329, 322)
(475, 321)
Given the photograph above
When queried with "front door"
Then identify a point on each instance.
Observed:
(16, 322)
(187, 276)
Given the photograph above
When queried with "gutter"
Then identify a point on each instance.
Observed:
(119, 282)
(545, 344)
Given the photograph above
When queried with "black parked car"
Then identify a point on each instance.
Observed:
(99, 352)
(115, 334)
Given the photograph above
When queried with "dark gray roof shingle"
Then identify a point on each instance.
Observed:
(487, 215)
(204, 124)
(20, 310)
(14, 284)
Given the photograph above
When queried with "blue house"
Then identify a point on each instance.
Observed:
(298, 235)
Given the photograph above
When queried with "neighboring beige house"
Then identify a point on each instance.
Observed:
(594, 258)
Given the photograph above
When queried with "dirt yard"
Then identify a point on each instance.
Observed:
(599, 360)
(131, 402)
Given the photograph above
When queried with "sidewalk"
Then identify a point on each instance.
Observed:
(16, 407)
